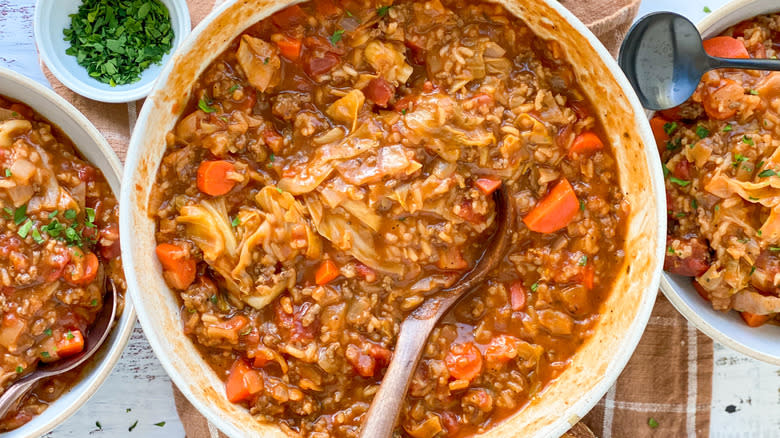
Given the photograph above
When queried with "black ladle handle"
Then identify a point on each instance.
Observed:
(744, 63)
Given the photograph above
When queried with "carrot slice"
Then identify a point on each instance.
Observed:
(588, 276)
(464, 361)
(243, 382)
(327, 272)
(488, 185)
(290, 48)
(502, 349)
(725, 47)
(754, 320)
(585, 143)
(72, 343)
(212, 177)
(178, 268)
(555, 210)
(657, 124)
(82, 270)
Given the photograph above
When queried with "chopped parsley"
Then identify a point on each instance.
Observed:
(702, 132)
(213, 299)
(266, 60)
(99, 426)
(747, 140)
(234, 88)
(666, 170)
(45, 354)
(336, 37)
(90, 215)
(116, 40)
(54, 214)
(727, 128)
(383, 10)
(673, 144)
(679, 182)
(753, 92)
(752, 270)
(19, 369)
(670, 127)
(534, 287)
(738, 158)
(160, 424)
(205, 106)
(47, 332)
(279, 190)
(752, 198)
(767, 173)
(25, 229)
(694, 204)
(651, 421)
(94, 302)
(272, 158)
(130, 429)
(235, 222)
(7, 173)
(36, 235)
(20, 214)
(69, 335)
(583, 260)
(70, 214)
(582, 205)
(759, 232)
(774, 248)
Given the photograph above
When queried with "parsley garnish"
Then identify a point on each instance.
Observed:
(752, 270)
(666, 170)
(582, 205)
(694, 204)
(47, 332)
(382, 10)
(233, 88)
(7, 173)
(90, 214)
(204, 106)
(99, 426)
(272, 158)
(774, 248)
(747, 140)
(116, 40)
(36, 235)
(672, 145)
(70, 214)
(583, 260)
(534, 287)
(679, 182)
(54, 214)
(45, 354)
(69, 335)
(753, 92)
(235, 222)
(160, 424)
(19, 369)
(25, 229)
(767, 173)
(213, 299)
(670, 127)
(702, 132)
(130, 429)
(336, 37)
(727, 128)
(651, 421)
(20, 214)
(94, 302)
(738, 158)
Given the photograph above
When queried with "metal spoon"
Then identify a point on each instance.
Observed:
(94, 339)
(663, 58)
(385, 408)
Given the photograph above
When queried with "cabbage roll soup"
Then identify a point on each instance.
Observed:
(335, 166)
(58, 243)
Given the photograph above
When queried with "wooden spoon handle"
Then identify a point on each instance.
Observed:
(384, 411)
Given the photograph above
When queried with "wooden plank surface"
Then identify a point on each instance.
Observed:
(746, 393)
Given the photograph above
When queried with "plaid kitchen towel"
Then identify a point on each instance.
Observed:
(665, 390)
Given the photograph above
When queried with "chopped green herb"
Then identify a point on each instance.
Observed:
(382, 10)
(54, 228)
(54, 214)
(246, 331)
(727, 128)
(116, 40)
(767, 173)
(760, 163)
(90, 214)
(336, 37)
(753, 92)
(583, 260)
(99, 426)
(680, 214)
(19, 369)
(235, 222)
(7, 173)
(204, 106)
(70, 214)
(752, 198)
(160, 424)
(679, 182)
(36, 235)
(747, 140)
(758, 232)
(233, 88)
(9, 212)
(717, 207)
(25, 229)
(272, 158)
(774, 248)
(14, 114)
(702, 132)
(130, 429)
(738, 158)
(403, 111)
(752, 270)
(694, 204)
(94, 302)
(128, 410)
(673, 144)
(670, 250)
(213, 299)
(743, 240)
(582, 205)
(47, 332)
(45, 354)
(651, 421)
(534, 287)
(670, 127)
(279, 190)
(69, 335)
(266, 60)
(20, 214)
(666, 170)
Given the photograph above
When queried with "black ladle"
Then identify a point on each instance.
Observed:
(664, 60)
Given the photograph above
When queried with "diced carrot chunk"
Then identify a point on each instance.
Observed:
(213, 177)
(243, 382)
(71, 343)
(725, 47)
(178, 268)
(488, 185)
(327, 272)
(586, 143)
(754, 320)
(555, 210)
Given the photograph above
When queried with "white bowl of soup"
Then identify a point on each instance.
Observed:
(296, 187)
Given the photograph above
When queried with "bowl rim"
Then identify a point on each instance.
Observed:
(714, 22)
(180, 22)
(577, 409)
(96, 375)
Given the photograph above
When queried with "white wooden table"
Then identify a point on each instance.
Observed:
(746, 393)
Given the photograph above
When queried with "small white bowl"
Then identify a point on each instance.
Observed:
(53, 16)
(95, 149)
(762, 343)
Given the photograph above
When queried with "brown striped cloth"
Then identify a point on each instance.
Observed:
(665, 391)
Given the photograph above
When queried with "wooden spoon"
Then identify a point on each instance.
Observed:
(94, 339)
(385, 408)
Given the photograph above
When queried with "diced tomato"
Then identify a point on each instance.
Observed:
(502, 349)
(588, 276)
(379, 91)
(682, 169)
(82, 269)
(367, 273)
(658, 124)
(326, 8)
(57, 262)
(416, 53)
(466, 211)
(755, 320)
(86, 173)
(452, 259)
(71, 343)
(243, 382)
(405, 103)
(289, 17)
(298, 332)
(368, 359)
(517, 297)
(273, 140)
(488, 185)
(464, 361)
(319, 65)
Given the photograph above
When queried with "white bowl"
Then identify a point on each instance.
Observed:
(96, 150)
(593, 368)
(53, 16)
(762, 343)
